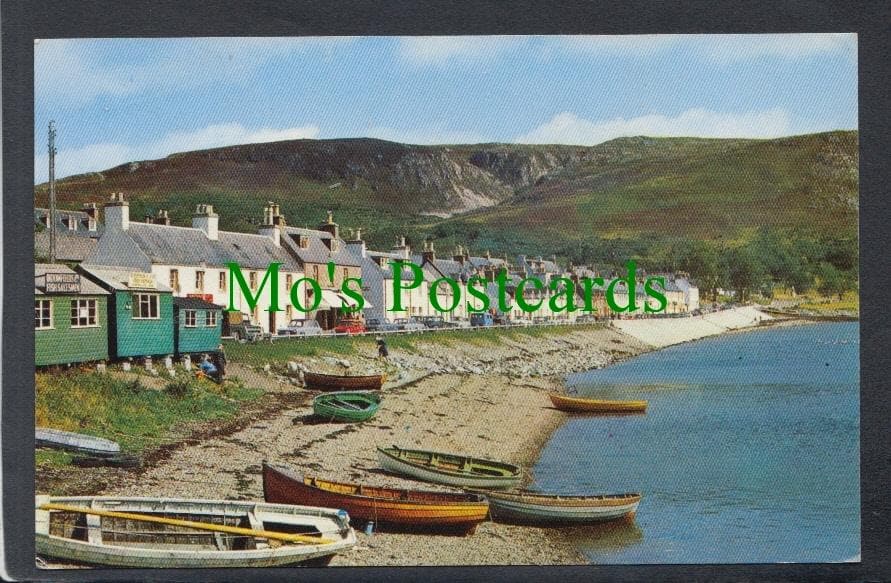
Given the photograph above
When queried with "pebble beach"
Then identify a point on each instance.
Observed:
(486, 401)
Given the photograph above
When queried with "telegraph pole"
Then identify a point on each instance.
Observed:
(52, 191)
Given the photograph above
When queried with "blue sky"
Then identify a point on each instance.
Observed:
(117, 100)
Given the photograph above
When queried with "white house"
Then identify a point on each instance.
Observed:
(192, 261)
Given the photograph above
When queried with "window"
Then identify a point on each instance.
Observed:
(289, 312)
(191, 318)
(174, 279)
(210, 319)
(145, 306)
(222, 281)
(71, 222)
(43, 314)
(83, 313)
(315, 272)
(253, 276)
(288, 280)
(255, 315)
(346, 273)
(199, 280)
(304, 242)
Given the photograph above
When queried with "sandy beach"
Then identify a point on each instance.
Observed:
(487, 401)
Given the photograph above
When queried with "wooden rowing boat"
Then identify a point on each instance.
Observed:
(76, 442)
(348, 406)
(525, 507)
(332, 382)
(179, 533)
(387, 506)
(578, 405)
(449, 469)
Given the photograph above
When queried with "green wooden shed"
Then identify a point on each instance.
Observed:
(70, 317)
(140, 312)
(198, 325)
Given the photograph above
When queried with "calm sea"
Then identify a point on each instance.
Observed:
(749, 450)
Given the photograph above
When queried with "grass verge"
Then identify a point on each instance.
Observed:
(127, 412)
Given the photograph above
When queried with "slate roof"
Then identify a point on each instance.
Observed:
(69, 247)
(317, 251)
(194, 304)
(117, 279)
(87, 287)
(82, 225)
(169, 245)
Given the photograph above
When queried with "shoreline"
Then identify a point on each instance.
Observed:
(484, 400)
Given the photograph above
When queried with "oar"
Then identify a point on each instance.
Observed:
(267, 534)
(347, 404)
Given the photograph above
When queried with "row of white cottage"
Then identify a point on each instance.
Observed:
(193, 262)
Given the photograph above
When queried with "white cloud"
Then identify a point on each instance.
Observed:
(79, 70)
(95, 157)
(568, 128)
(732, 48)
(441, 50)
(622, 45)
(424, 137)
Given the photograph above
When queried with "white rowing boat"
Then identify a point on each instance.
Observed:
(180, 533)
(77, 442)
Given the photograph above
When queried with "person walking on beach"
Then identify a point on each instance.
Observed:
(382, 351)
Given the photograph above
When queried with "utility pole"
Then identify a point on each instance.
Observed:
(52, 191)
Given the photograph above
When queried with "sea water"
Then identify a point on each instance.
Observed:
(748, 451)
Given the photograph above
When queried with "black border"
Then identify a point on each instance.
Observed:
(22, 21)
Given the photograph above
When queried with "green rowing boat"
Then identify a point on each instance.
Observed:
(348, 406)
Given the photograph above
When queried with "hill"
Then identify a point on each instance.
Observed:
(532, 198)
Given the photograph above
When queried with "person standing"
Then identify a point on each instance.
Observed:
(382, 351)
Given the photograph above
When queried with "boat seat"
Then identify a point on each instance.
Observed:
(94, 529)
(256, 524)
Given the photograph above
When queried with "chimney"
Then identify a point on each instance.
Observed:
(272, 223)
(149, 219)
(117, 213)
(92, 211)
(356, 245)
(488, 255)
(329, 226)
(429, 254)
(162, 218)
(459, 255)
(402, 249)
(207, 220)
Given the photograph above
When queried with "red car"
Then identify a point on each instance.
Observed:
(350, 326)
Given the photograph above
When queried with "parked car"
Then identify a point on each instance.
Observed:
(521, 322)
(434, 322)
(586, 319)
(408, 325)
(300, 328)
(350, 326)
(481, 319)
(502, 320)
(460, 323)
(378, 325)
(540, 320)
(239, 326)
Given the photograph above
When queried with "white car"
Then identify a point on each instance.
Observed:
(301, 328)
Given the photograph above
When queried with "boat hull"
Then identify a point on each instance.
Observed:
(95, 550)
(556, 510)
(577, 405)
(430, 473)
(326, 382)
(76, 442)
(347, 406)
(385, 506)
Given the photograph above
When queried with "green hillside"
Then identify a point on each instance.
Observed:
(626, 197)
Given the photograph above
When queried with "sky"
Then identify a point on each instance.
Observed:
(120, 100)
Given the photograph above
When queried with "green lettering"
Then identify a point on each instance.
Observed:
(235, 275)
(417, 278)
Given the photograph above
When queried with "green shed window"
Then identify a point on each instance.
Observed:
(145, 306)
(211, 319)
(191, 318)
(83, 313)
(43, 314)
